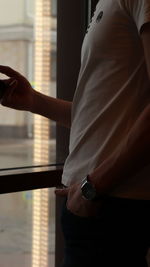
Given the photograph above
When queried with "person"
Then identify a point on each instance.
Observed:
(106, 176)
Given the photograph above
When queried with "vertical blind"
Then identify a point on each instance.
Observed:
(41, 130)
(42, 76)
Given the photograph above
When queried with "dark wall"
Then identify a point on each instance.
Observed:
(71, 28)
(72, 23)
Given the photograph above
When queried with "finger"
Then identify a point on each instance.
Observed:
(13, 83)
(62, 192)
(4, 84)
(7, 82)
(9, 71)
(6, 99)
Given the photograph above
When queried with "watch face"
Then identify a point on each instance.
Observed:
(88, 191)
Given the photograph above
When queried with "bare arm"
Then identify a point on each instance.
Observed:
(133, 155)
(20, 95)
(125, 161)
(55, 109)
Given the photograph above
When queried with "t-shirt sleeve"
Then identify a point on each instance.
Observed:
(139, 10)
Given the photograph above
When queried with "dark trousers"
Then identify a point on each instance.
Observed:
(118, 236)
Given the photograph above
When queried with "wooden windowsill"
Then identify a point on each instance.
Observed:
(22, 179)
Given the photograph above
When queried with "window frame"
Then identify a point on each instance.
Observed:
(30, 178)
(71, 31)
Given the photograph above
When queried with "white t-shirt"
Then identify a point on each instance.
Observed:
(112, 90)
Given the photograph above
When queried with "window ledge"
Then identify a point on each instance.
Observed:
(30, 178)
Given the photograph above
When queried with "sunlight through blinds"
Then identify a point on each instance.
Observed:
(41, 131)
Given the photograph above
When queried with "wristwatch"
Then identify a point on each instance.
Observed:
(88, 190)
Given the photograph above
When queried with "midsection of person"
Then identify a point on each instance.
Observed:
(113, 88)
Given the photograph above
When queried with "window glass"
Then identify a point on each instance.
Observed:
(53, 7)
(27, 229)
(28, 44)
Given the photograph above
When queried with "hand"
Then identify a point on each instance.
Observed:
(76, 203)
(18, 94)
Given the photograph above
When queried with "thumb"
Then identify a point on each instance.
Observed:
(6, 96)
(62, 192)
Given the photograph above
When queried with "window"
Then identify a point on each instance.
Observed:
(53, 66)
(53, 8)
(27, 216)
(28, 44)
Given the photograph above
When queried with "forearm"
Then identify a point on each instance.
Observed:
(129, 158)
(55, 109)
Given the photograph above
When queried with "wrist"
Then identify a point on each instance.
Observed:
(106, 177)
(94, 179)
(34, 99)
(89, 191)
